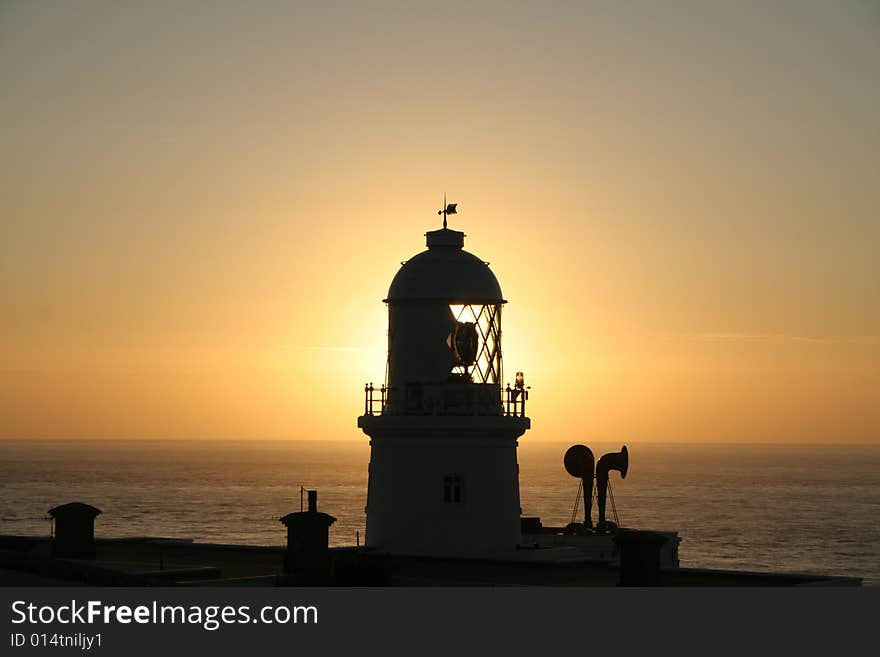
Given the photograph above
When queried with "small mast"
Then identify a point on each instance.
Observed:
(447, 209)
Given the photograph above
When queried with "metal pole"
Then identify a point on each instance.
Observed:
(613, 505)
(577, 500)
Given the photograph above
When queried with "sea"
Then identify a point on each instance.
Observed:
(780, 508)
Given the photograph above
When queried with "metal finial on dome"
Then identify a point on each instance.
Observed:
(447, 209)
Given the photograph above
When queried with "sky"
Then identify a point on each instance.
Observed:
(203, 205)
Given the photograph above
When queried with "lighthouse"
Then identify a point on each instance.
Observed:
(443, 474)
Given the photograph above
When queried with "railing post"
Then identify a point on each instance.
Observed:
(382, 390)
(367, 400)
(507, 390)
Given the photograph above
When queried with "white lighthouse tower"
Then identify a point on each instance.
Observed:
(444, 478)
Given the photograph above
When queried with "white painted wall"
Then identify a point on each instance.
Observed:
(411, 455)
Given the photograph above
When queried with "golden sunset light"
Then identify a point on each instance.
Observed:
(561, 318)
(203, 209)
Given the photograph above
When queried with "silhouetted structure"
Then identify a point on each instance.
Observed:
(307, 559)
(639, 557)
(612, 461)
(549, 557)
(579, 462)
(444, 478)
(74, 530)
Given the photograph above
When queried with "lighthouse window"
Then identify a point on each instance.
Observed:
(453, 489)
(475, 342)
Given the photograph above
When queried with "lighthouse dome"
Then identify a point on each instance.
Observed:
(445, 272)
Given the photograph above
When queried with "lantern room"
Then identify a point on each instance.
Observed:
(444, 333)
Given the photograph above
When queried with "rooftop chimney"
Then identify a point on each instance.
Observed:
(307, 560)
(74, 530)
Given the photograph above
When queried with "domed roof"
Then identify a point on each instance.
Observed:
(445, 272)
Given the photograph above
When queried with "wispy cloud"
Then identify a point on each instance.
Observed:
(360, 350)
(787, 338)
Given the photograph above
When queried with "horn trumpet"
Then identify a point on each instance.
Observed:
(579, 461)
(612, 461)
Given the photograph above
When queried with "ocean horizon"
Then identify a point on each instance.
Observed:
(746, 506)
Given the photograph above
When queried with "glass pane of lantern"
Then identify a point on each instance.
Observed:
(485, 366)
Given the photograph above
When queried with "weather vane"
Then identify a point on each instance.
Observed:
(447, 209)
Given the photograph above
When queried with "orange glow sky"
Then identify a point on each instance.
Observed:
(203, 205)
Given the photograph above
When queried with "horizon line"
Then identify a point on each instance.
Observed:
(343, 440)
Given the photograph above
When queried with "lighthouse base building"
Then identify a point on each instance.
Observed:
(443, 485)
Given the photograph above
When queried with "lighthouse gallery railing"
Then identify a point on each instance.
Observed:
(513, 401)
